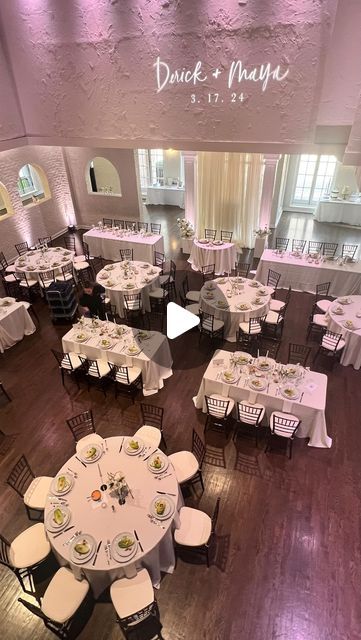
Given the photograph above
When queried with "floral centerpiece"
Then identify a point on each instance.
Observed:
(118, 485)
(186, 228)
(262, 232)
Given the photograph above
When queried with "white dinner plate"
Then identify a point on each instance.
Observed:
(81, 558)
(290, 392)
(344, 300)
(81, 337)
(105, 344)
(243, 306)
(254, 284)
(133, 452)
(258, 384)
(348, 324)
(203, 241)
(50, 523)
(264, 364)
(169, 507)
(292, 371)
(84, 453)
(164, 463)
(123, 555)
(133, 352)
(242, 357)
(231, 378)
(68, 486)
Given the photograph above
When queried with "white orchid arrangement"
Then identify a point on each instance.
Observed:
(116, 482)
(262, 232)
(186, 228)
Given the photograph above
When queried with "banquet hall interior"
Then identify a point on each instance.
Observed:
(180, 319)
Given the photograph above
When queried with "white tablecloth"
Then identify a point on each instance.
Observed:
(304, 276)
(338, 211)
(223, 256)
(38, 261)
(155, 359)
(352, 351)
(166, 195)
(244, 293)
(142, 275)
(15, 323)
(104, 524)
(311, 410)
(107, 244)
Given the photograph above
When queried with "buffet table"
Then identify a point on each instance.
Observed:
(15, 323)
(221, 254)
(302, 275)
(103, 522)
(108, 242)
(344, 316)
(234, 300)
(309, 406)
(338, 211)
(166, 195)
(152, 353)
(129, 277)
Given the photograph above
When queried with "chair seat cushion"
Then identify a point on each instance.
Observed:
(10, 268)
(219, 397)
(193, 308)
(193, 296)
(78, 266)
(29, 547)
(46, 283)
(244, 326)
(92, 438)
(327, 343)
(133, 374)
(35, 495)
(276, 305)
(158, 293)
(74, 359)
(195, 528)
(273, 317)
(67, 276)
(64, 595)
(103, 368)
(81, 258)
(185, 465)
(323, 305)
(165, 278)
(130, 595)
(283, 431)
(10, 278)
(320, 319)
(28, 283)
(150, 434)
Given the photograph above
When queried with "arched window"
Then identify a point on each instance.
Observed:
(102, 177)
(33, 185)
(6, 207)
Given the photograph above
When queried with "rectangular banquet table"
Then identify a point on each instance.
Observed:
(108, 242)
(173, 196)
(302, 275)
(311, 410)
(155, 359)
(15, 323)
(338, 211)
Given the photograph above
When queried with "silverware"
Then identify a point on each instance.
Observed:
(300, 400)
(155, 521)
(106, 547)
(83, 463)
(166, 493)
(106, 445)
(113, 508)
(73, 472)
(96, 553)
(121, 446)
(67, 542)
(149, 455)
(166, 476)
(63, 531)
(139, 542)
(100, 473)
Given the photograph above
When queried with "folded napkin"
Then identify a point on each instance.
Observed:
(218, 361)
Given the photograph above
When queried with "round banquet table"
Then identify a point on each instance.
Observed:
(216, 301)
(35, 262)
(104, 523)
(140, 277)
(352, 335)
(221, 254)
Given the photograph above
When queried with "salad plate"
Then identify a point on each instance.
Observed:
(91, 453)
(57, 518)
(134, 446)
(124, 546)
(258, 384)
(62, 484)
(82, 548)
(290, 392)
(162, 507)
(157, 463)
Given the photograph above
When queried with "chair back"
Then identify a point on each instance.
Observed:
(226, 236)
(173, 269)
(97, 264)
(207, 321)
(215, 516)
(67, 270)
(273, 278)
(298, 245)
(284, 427)
(126, 254)
(142, 226)
(133, 301)
(108, 222)
(155, 227)
(208, 272)
(4, 552)
(22, 248)
(314, 246)
(269, 346)
(152, 415)
(282, 243)
(349, 250)
(46, 240)
(118, 223)
(242, 269)
(3, 261)
(129, 225)
(69, 243)
(298, 354)
(329, 249)
(86, 250)
(216, 407)
(322, 290)
(256, 324)
(62, 359)
(330, 340)
(93, 369)
(198, 448)
(21, 476)
(46, 278)
(210, 234)
(81, 425)
(159, 259)
(248, 413)
(121, 374)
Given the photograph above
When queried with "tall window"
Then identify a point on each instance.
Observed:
(151, 167)
(144, 168)
(32, 184)
(26, 183)
(313, 178)
(157, 165)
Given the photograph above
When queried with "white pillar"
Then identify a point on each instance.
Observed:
(271, 162)
(190, 179)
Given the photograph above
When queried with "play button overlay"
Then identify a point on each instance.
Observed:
(179, 320)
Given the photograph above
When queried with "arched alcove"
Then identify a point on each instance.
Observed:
(33, 186)
(102, 177)
(6, 207)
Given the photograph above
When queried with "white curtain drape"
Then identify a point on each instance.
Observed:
(229, 194)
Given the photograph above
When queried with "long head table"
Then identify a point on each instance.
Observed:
(154, 358)
(310, 407)
(108, 242)
(106, 518)
(302, 275)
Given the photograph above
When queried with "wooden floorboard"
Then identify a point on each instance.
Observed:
(286, 565)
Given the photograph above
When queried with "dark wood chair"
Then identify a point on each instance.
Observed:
(46, 240)
(69, 364)
(167, 281)
(127, 380)
(67, 274)
(192, 524)
(107, 222)
(273, 279)
(274, 322)
(332, 344)
(298, 354)
(219, 411)
(158, 260)
(282, 244)
(153, 416)
(329, 249)
(118, 223)
(269, 347)
(298, 245)
(47, 278)
(33, 555)
(242, 269)
(98, 373)
(126, 254)
(314, 246)
(283, 427)
(22, 247)
(321, 303)
(69, 242)
(210, 234)
(188, 464)
(250, 333)
(208, 272)
(31, 489)
(133, 308)
(209, 326)
(81, 425)
(155, 228)
(349, 251)
(249, 418)
(142, 226)
(226, 236)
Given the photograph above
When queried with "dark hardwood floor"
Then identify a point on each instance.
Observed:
(286, 564)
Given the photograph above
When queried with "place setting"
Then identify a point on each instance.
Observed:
(91, 453)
